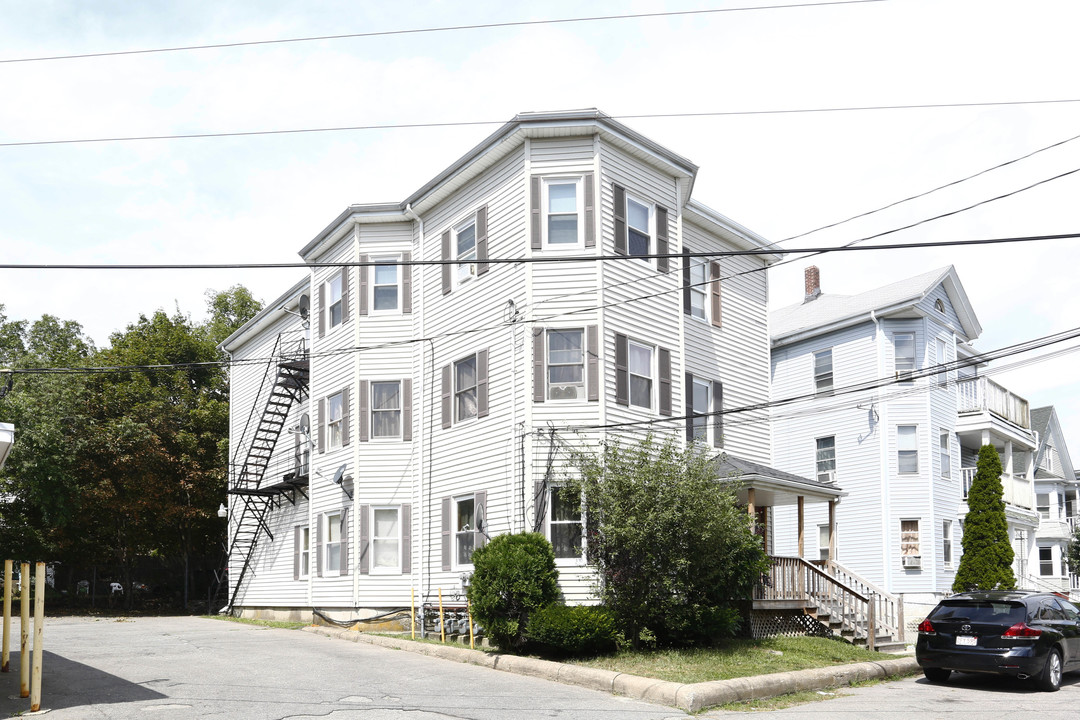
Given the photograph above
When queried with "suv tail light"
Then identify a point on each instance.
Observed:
(1021, 629)
(927, 628)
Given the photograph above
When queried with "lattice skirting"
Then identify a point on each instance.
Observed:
(788, 623)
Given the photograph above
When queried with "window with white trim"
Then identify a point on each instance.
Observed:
(826, 459)
(334, 420)
(465, 407)
(1046, 560)
(334, 305)
(702, 406)
(640, 366)
(946, 541)
(942, 358)
(566, 364)
(564, 523)
(904, 354)
(386, 409)
(907, 448)
(304, 569)
(386, 539)
(910, 554)
(562, 202)
(638, 228)
(1042, 505)
(823, 542)
(823, 372)
(946, 454)
(465, 249)
(333, 544)
(385, 290)
(699, 290)
(464, 530)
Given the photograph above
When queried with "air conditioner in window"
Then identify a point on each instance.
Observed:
(911, 561)
(827, 477)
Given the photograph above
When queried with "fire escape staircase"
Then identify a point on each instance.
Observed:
(257, 497)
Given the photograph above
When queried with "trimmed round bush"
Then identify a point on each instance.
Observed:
(576, 631)
(513, 576)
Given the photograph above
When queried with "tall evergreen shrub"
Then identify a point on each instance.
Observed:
(987, 560)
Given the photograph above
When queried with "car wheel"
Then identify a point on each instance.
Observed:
(1050, 679)
(937, 675)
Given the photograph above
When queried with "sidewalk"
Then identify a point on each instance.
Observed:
(689, 697)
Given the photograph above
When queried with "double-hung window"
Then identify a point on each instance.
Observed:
(638, 231)
(566, 364)
(699, 291)
(333, 543)
(465, 406)
(465, 249)
(946, 541)
(904, 354)
(564, 523)
(823, 373)
(1046, 560)
(907, 448)
(946, 455)
(303, 542)
(823, 542)
(641, 369)
(562, 202)
(386, 539)
(910, 554)
(464, 530)
(942, 358)
(334, 307)
(334, 420)
(1042, 505)
(386, 409)
(826, 459)
(701, 390)
(385, 288)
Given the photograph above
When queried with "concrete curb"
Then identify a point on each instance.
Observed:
(690, 697)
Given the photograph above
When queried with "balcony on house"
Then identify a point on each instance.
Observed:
(980, 395)
(1017, 489)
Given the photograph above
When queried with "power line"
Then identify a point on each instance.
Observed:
(467, 123)
(568, 258)
(414, 31)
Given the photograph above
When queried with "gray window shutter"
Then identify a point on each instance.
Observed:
(714, 276)
(622, 370)
(320, 421)
(686, 282)
(406, 539)
(592, 363)
(364, 272)
(319, 546)
(344, 295)
(447, 396)
(365, 412)
(446, 533)
(344, 542)
(481, 241)
(482, 384)
(718, 418)
(481, 515)
(664, 363)
(688, 396)
(322, 309)
(539, 385)
(346, 418)
(406, 283)
(535, 233)
(662, 263)
(296, 553)
(406, 409)
(446, 285)
(590, 210)
(365, 539)
(620, 219)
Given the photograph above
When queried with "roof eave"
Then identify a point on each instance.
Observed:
(270, 313)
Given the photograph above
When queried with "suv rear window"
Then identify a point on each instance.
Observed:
(980, 611)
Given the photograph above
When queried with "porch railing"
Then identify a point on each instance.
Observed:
(793, 578)
(1016, 488)
(889, 610)
(981, 393)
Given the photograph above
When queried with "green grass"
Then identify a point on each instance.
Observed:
(264, 623)
(735, 658)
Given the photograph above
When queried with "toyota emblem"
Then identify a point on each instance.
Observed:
(965, 628)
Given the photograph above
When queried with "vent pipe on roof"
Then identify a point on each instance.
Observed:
(813, 283)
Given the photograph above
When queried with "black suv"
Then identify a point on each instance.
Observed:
(1010, 632)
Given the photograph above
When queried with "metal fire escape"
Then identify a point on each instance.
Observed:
(257, 489)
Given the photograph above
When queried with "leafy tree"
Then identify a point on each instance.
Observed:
(513, 576)
(1072, 552)
(986, 563)
(675, 553)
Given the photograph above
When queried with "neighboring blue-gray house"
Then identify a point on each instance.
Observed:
(1056, 495)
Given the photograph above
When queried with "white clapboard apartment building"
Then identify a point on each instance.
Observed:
(414, 395)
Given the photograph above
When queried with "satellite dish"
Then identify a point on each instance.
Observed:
(339, 476)
(304, 306)
(305, 423)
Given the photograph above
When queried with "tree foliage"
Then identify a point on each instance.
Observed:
(675, 553)
(986, 563)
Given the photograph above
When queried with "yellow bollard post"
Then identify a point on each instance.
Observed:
(468, 609)
(24, 630)
(412, 606)
(442, 619)
(39, 636)
(6, 661)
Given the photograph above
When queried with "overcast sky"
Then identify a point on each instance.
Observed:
(261, 198)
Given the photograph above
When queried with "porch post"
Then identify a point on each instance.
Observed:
(832, 530)
(750, 504)
(801, 526)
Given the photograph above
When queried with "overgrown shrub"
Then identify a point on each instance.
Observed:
(513, 575)
(577, 631)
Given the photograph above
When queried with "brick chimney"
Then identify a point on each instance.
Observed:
(813, 283)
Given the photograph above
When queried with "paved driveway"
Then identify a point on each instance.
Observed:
(198, 668)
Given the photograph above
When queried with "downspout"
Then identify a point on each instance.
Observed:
(886, 547)
(417, 491)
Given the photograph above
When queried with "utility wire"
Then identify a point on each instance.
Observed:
(414, 31)
(467, 123)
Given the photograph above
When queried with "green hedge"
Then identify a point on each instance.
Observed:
(576, 631)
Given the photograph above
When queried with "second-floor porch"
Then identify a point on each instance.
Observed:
(989, 412)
